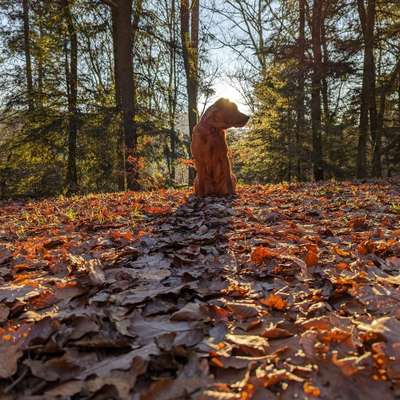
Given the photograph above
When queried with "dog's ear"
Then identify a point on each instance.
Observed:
(210, 113)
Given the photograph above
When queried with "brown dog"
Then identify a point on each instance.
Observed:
(210, 150)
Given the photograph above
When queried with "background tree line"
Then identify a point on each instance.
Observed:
(95, 93)
(323, 80)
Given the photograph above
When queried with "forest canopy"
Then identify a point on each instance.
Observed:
(101, 96)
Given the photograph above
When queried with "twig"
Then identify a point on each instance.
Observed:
(18, 380)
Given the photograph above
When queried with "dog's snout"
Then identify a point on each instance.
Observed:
(243, 120)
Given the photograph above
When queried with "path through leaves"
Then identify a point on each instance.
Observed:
(285, 292)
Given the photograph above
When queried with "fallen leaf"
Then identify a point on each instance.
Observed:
(351, 365)
(190, 312)
(311, 390)
(260, 254)
(249, 344)
(242, 310)
(276, 333)
(311, 258)
(275, 302)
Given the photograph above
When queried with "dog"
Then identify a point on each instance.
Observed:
(210, 150)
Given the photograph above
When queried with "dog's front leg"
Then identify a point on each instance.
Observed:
(230, 184)
(200, 183)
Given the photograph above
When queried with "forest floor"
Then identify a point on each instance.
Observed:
(283, 292)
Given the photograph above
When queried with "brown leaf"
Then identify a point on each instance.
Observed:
(311, 390)
(66, 389)
(9, 356)
(82, 326)
(148, 328)
(123, 362)
(260, 254)
(140, 294)
(351, 365)
(387, 328)
(4, 312)
(276, 333)
(9, 293)
(243, 310)
(393, 261)
(190, 312)
(308, 341)
(275, 302)
(311, 258)
(62, 368)
(52, 244)
(5, 255)
(248, 344)
(341, 252)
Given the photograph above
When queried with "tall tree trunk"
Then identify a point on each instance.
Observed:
(123, 37)
(290, 148)
(368, 113)
(39, 57)
(317, 22)
(328, 117)
(172, 89)
(121, 157)
(325, 87)
(190, 24)
(71, 68)
(373, 114)
(300, 107)
(27, 50)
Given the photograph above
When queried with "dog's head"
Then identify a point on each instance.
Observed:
(224, 114)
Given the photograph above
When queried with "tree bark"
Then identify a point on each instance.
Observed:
(317, 22)
(27, 50)
(368, 113)
(300, 108)
(121, 157)
(190, 23)
(172, 89)
(71, 72)
(373, 114)
(123, 38)
(39, 57)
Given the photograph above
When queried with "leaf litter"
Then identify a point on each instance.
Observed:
(284, 292)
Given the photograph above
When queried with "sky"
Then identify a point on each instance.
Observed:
(223, 86)
(224, 57)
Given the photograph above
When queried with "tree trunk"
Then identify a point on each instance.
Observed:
(325, 87)
(123, 38)
(300, 108)
(121, 158)
(317, 21)
(71, 69)
(39, 56)
(172, 90)
(27, 50)
(373, 114)
(124, 83)
(190, 21)
(368, 113)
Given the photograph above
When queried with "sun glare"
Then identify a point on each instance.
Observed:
(226, 90)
